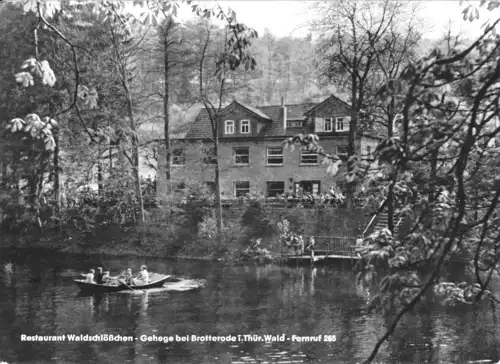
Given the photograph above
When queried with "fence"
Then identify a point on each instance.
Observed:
(340, 245)
(277, 203)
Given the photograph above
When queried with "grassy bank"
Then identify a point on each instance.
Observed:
(109, 240)
(191, 235)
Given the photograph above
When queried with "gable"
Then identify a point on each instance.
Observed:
(243, 121)
(332, 106)
(243, 110)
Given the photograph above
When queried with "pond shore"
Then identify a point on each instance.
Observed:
(67, 246)
(126, 246)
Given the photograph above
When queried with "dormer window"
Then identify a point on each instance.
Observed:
(340, 124)
(229, 127)
(329, 124)
(294, 124)
(245, 126)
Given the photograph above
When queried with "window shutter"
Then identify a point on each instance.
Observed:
(319, 125)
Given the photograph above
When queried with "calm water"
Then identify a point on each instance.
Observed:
(37, 296)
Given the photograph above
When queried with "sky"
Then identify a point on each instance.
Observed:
(290, 18)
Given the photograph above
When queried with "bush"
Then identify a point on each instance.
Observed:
(254, 253)
(257, 220)
(207, 243)
(196, 203)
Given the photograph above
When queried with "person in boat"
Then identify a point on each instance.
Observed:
(142, 277)
(99, 275)
(89, 277)
(106, 279)
(126, 276)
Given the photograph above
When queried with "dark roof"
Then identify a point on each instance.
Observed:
(293, 112)
(201, 128)
(256, 111)
(332, 97)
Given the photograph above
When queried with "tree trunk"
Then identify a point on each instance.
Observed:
(137, 178)
(57, 180)
(100, 186)
(390, 208)
(166, 109)
(135, 158)
(351, 146)
(432, 181)
(390, 193)
(39, 193)
(110, 160)
(432, 186)
(218, 202)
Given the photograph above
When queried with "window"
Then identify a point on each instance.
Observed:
(275, 188)
(329, 124)
(209, 156)
(342, 150)
(312, 187)
(294, 124)
(245, 126)
(307, 157)
(241, 155)
(178, 157)
(275, 156)
(340, 124)
(229, 127)
(241, 188)
(180, 186)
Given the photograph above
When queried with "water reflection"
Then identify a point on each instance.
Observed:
(9, 272)
(314, 271)
(40, 298)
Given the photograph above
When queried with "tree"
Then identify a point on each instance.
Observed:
(448, 142)
(286, 69)
(392, 52)
(215, 78)
(168, 43)
(346, 56)
(125, 49)
(45, 99)
(173, 61)
(114, 13)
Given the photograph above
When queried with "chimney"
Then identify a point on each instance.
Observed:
(283, 112)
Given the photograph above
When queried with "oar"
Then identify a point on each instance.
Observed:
(126, 285)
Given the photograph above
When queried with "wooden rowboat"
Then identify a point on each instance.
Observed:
(156, 281)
